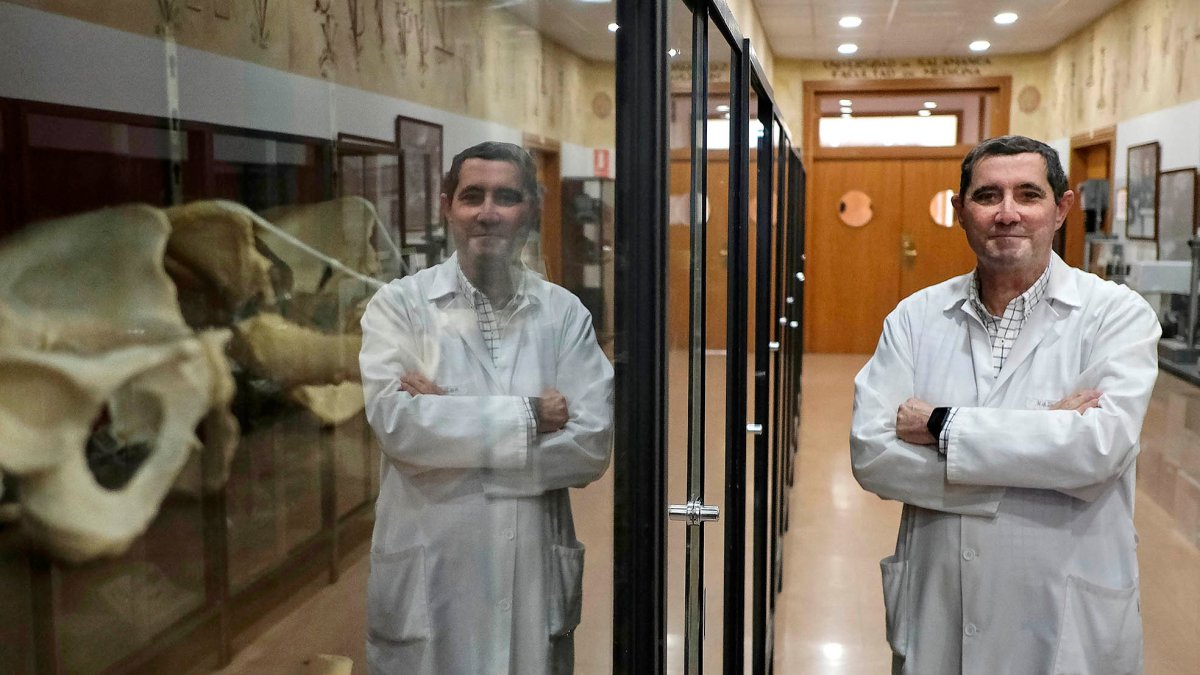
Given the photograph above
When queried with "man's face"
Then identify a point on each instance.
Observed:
(489, 213)
(1009, 214)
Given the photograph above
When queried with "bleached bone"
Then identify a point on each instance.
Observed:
(339, 229)
(212, 254)
(276, 349)
(333, 404)
(89, 324)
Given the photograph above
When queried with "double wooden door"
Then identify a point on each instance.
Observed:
(857, 275)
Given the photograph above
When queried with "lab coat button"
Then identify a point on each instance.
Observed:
(968, 554)
(505, 605)
(971, 630)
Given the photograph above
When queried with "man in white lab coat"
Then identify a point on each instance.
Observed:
(1003, 407)
(490, 397)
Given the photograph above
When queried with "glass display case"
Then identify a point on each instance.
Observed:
(240, 521)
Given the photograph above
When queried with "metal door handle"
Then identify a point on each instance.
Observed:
(694, 512)
(908, 248)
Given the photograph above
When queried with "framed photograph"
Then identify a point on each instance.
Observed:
(1177, 213)
(1141, 219)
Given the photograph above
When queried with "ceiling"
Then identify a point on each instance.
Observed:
(808, 29)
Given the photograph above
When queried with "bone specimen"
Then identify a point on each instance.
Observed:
(274, 348)
(213, 257)
(90, 330)
(340, 229)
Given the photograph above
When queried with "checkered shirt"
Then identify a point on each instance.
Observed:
(1002, 330)
(490, 324)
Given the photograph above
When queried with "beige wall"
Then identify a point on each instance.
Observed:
(1142, 56)
(461, 58)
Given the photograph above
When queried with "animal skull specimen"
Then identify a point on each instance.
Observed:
(92, 339)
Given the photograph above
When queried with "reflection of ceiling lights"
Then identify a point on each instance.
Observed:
(726, 115)
(979, 46)
(722, 108)
(672, 52)
(845, 101)
(924, 113)
(1005, 18)
(847, 109)
(850, 22)
(930, 104)
(848, 48)
(612, 27)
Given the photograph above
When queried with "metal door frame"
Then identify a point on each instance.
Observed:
(640, 501)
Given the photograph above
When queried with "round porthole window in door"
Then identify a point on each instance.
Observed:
(941, 209)
(855, 209)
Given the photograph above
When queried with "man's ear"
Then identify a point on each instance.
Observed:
(1064, 207)
(444, 201)
(957, 202)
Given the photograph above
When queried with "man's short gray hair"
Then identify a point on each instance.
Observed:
(1014, 145)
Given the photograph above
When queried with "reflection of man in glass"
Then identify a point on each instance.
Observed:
(489, 396)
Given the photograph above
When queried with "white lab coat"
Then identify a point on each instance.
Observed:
(475, 567)
(1016, 551)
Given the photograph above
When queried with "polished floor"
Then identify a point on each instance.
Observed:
(830, 611)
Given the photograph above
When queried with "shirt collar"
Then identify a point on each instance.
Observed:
(468, 289)
(1023, 304)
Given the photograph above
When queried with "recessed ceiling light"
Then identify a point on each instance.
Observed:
(672, 52)
(726, 115)
(846, 116)
(930, 104)
(1005, 18)
(848, 48)
(722, 108)
(924, 113)
(850, 22)
(612, 27)
(979, 46)
(847, 109)
(845, 101)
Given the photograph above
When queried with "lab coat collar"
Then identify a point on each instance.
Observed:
(1062, 287)
(445, 282)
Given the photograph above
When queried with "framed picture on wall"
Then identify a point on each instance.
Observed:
(1141, 215)
(1177, 213)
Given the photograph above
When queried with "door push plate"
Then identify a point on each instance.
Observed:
(694, 512)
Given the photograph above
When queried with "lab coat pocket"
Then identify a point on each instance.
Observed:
(564, 597)
(1101, 631)
(895, 600)
(397, 605)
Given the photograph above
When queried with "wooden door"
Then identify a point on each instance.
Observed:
(857, 275)
(934, 252)
(853, 273)
(549, 248)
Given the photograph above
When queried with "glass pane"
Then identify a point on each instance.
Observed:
(288, 163)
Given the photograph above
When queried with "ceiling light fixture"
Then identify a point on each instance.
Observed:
(612, 27)
(1005, 18)
(930, 104)
(845, 101)
(848, 48)
(979, 46)
(924, 113)
(847, 109)
(722, 108)
(672, 52)
(850, 22)
(846, 116)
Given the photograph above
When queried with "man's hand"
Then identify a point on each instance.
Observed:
(911, 419)
(415, 384)
(1080, 401)
(552, 411)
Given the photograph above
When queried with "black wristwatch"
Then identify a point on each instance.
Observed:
(937, 420)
